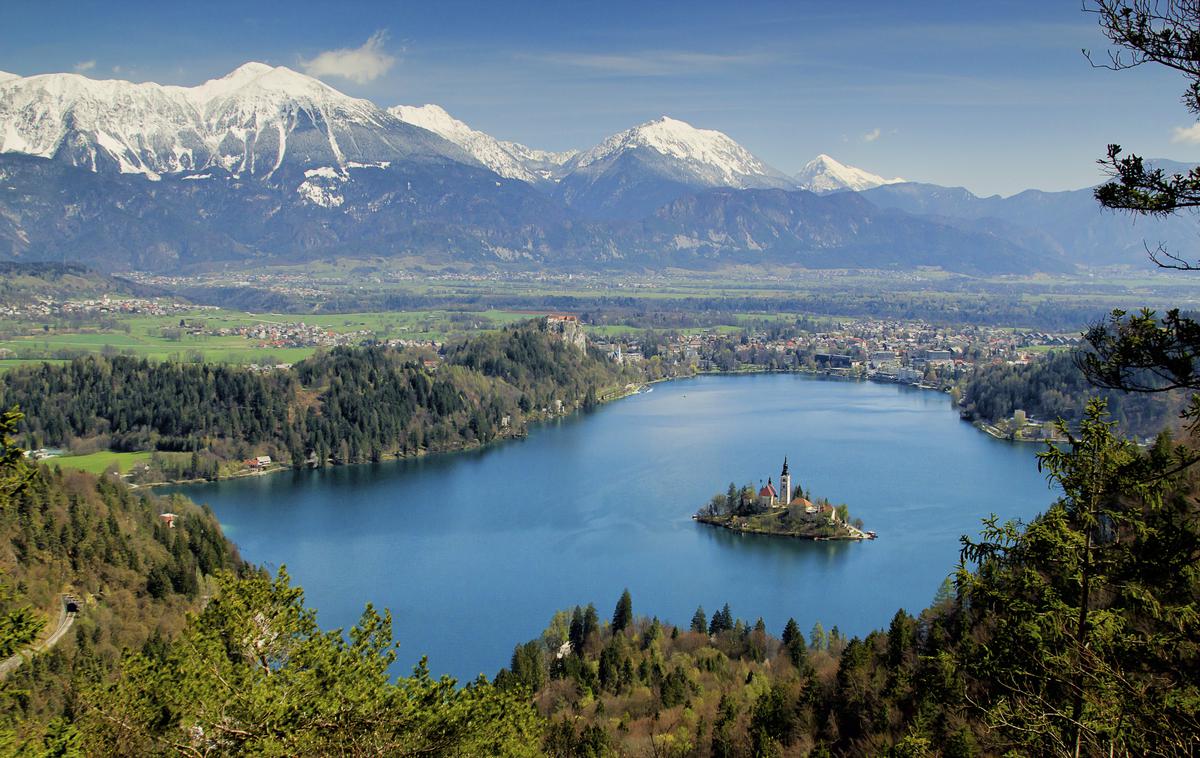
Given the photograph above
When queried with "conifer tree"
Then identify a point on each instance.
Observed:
(591, 621)
(1080, 605)
(623, 613)
(791, 630)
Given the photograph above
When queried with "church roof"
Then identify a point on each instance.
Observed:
(768, 491)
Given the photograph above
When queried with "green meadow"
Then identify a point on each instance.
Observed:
(98, 463)
(162, 337)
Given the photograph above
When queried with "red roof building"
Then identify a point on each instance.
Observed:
(768, 494)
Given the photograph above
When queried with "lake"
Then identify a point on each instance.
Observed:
(473, 552)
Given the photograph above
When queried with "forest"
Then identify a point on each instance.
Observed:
(346, 405)
(1054, 387)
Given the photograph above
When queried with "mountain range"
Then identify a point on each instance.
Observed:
(269, 165)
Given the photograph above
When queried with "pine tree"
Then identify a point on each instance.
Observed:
(722, 621)
(623, 613)
(591, 622)
(791, 631)
(576, 635)
(699, 621)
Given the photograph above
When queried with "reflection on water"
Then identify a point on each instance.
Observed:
(473, 552)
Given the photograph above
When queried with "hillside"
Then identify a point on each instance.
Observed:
(1053, 387)
(107, 546)
(22, 282)
(133, 676)
(347, 405)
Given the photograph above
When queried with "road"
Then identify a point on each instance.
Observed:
(64, 623)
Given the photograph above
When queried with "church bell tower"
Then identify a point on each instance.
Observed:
(785, 485)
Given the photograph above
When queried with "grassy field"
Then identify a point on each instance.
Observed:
(161, 338)
(98, 463)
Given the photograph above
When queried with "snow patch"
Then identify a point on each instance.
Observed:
(325, 197)
(511, 160)
(325, 172)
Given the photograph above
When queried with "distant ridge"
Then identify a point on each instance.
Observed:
(266, 164)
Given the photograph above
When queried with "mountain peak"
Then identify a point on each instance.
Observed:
(6, 76)
(241, 122)
(255, 76)
(826, 174)
(250, 68)
(431, 117)
(712, 157)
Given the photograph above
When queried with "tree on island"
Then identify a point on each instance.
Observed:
(699, 620)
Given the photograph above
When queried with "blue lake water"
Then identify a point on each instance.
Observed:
(473, 552)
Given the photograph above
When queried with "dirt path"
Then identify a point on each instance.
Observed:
(64, 623)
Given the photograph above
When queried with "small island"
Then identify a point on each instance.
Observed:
(786, 512)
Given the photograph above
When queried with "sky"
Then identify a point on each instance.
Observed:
(996, 96)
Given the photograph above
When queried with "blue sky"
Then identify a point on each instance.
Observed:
(993, 96)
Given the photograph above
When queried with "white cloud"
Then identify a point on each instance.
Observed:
(360, 64)
(1189, 134)
(872, 135)
(84, 66)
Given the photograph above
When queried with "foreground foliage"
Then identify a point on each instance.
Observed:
(254, 675)
(1077, 634)
(133, 577)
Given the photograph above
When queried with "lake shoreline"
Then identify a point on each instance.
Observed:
(598, 502)
(727, 523)
(628, 391)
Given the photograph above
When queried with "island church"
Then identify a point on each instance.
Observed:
(769, 497)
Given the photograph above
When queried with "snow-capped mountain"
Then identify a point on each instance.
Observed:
(634, 172)
(124, 176)
(508, 159)
(253, 120)
(711, 156)
(824, 174)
